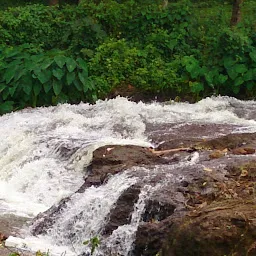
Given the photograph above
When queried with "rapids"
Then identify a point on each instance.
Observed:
(45, 152)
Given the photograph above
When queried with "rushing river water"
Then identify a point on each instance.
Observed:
(45, 151)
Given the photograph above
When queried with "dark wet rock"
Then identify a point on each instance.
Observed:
(107, 161)
(222, 228)
(45, 220)
(110, 160)
(150, 237)
(157, 211)
(121, 213)
(229, 141)
(186, 135)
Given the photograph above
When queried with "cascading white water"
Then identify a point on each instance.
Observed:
(44, 151)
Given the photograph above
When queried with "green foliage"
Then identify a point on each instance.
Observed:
(36, 79)
(49, 27)
(4, 4)
(143, 22)
(118, 63)
(81, 53)
(94, 242)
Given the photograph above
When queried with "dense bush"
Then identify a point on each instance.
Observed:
(50, 27)
(116, 62)
(29, 77)
(178, 49)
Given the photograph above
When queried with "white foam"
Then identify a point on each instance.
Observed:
(44, 151)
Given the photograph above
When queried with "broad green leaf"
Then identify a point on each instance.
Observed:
(236, 89)
(57, 87)
(83, 65)
(27, 88)
(78, 85)
(86, 87)
(60, 60)
(232, 73)
(37, 70)
(222, 79)
(229, 62)
(27, 83)
(94, 97)
(204, 70)
(29, 65)
(253, 55)
(61, 98)
(44, 76)
(47, 63)
(19, 73)
(240, 68)
(195, 72)
(37, 58)
(70, 77)
(192, 66)
(6, 107)
(196, 87)
(250, 85)
(209, 77)
(37, 87)
(9, 74)
(47, 87)
(84, 80)
(238, 81)
(2, 87)
(58, 73)
(71, 64)
(248, 75)
(13, 89)
(5, 93)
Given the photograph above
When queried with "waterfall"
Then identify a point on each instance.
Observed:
(45, 151)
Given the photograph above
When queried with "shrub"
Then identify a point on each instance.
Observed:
(49, 27)
(117, 62)
(33, 78)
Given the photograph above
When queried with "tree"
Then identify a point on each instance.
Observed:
(236, 12)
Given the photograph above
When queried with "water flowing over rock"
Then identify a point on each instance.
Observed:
(89, 171)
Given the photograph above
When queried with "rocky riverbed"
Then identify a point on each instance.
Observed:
(146, 179)
(211, 210)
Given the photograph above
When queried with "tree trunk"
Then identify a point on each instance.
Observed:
(53, 2)
(236, 12)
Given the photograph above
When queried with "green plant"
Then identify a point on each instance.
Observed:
(116, 62)
(50, 27)
(94, 242)
(42, 78)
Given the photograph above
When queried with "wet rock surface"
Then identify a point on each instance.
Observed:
(121, 213)
(107, 161)
(205, 206)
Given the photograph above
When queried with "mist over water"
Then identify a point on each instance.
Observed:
(45, 151)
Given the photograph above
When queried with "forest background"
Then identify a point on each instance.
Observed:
(71, 51)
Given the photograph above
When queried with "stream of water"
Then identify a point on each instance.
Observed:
(45, 151)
